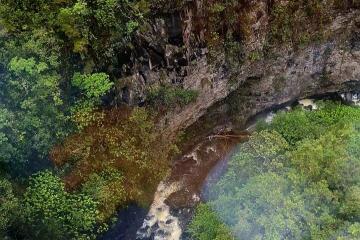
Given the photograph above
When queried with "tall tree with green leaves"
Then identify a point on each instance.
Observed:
(49, 212)
(305, 189)
(32, 118)
(9, 206)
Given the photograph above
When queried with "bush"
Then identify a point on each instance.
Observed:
(206, 225)
(52, 213)
(107, 188)
(300, 124)
(9, 206)
(308, 189)
(171, 97)
(125, 140)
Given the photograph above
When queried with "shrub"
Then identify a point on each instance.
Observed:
(9, 205)
(125, 140)
(107, 188)
(170, 97)
(207, 225)
(306, 190)
(52, 213)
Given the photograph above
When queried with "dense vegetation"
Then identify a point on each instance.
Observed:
(296, 178)
(67, 161)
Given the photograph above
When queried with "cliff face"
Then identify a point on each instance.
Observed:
(176, 49)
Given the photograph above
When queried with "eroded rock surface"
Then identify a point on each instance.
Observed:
(172, 54)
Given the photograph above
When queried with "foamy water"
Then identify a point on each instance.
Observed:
(354, 98)
(308, 103)
(159, 222)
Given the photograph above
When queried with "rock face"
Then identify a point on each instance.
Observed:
(171, 53)
(329, 67)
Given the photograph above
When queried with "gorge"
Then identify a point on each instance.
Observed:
(121, 119)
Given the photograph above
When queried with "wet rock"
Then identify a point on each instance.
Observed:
(283, 77)
(172, 52)
(351, 98)
(169, 221)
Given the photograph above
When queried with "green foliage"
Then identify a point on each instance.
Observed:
(300, 22)
(264, 149)
(125, 140)
(91, 26)
(295, 126)
(206, 225)
(299, 124)
(308, 189)
(52, 213)
(32, 117)
(33, 101)
(170, 97)
(22, 15)
(254, 56)
(217, 8)
(107, 188)
(93, 86)
(83, 113)
(325, 158)
(349, 232)
(351, 204)
(268, 209)
(117, 18)
(8, 206)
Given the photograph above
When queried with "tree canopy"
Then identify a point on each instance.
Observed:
(286, 184)
(52, 213)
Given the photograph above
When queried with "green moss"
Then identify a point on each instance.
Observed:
(171, 97)
(289, 183)
(255, 55)
(207, 225)
(279, 83)
(299, 23)
(234, 54)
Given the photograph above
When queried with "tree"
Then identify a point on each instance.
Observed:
(300, 124)
(265, 208)
(35, 111)
(295, 126)
(308, 189)
(95, 30)
(124, 139)
(107, 188)
(265, 150)
(92, 87)
(8, 206)
(32, 118)
(207, 225)
(52, 213)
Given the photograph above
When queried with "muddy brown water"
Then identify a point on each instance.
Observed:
(194, 166)
(203, 160)
(178, 195)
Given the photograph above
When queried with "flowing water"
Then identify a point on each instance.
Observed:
(176, 197)
(353, 98)
(159, 223)
(191, 177)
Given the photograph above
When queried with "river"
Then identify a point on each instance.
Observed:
(191, 176)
